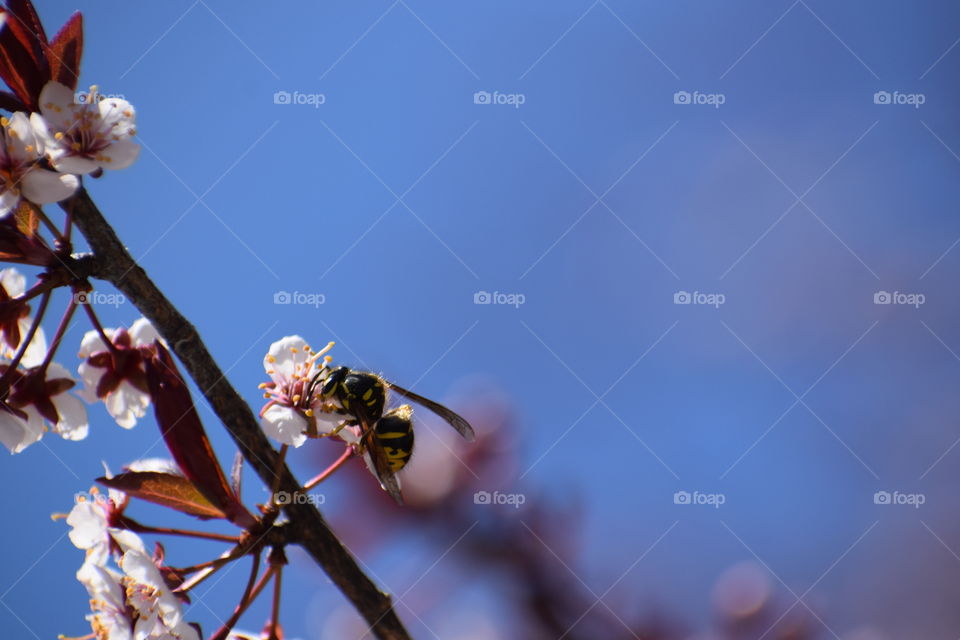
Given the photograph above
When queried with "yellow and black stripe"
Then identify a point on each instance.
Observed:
(394, 435)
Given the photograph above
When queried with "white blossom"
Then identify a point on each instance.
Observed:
(90, 528)
(136, 604)
(294, 409)
(124, 393)
(31, 403)
(159, 615)
(81, 138)
(109, 618)
(20, 174)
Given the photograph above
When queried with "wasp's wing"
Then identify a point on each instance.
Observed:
(388, 480)
(455, 420)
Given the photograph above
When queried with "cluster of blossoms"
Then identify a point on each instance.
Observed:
(129, 597)
(35, 390)
(70, 137)
(294, 410)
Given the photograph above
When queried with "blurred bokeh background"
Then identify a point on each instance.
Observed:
(789, 161)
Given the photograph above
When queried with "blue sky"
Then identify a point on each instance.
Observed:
(390, 191)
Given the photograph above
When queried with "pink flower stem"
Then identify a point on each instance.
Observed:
(58, 338)
(205, 535)
(99, 327)
(58, 237)
(221, 633)
(275, 614)
(347, 454)
(245, 600)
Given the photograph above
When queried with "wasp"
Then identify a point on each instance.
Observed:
(388, 436)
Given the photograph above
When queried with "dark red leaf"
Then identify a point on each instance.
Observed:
(183, 433)
(16, 64)
(164, 489)
(25, 42)
(65, 51)
(26, 16)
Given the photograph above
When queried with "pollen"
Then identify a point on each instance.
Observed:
(271, 360)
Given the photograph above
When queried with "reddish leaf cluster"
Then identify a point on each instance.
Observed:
(28, 60)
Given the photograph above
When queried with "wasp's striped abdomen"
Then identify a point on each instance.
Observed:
(394, 434)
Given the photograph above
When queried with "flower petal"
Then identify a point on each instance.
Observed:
(91, 379)
(77, 165)
(284, 425)
(143, 333)
(57, 105)
(14, 282)
(36, 351)
(88, 524)
(126, 404)
(73, 423)
(117, 113)
(120, 155)
(13, 432)
(284, 356)
(22, 139)
(92, 342)
(43, 186)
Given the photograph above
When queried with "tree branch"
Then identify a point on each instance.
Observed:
(115, 265)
